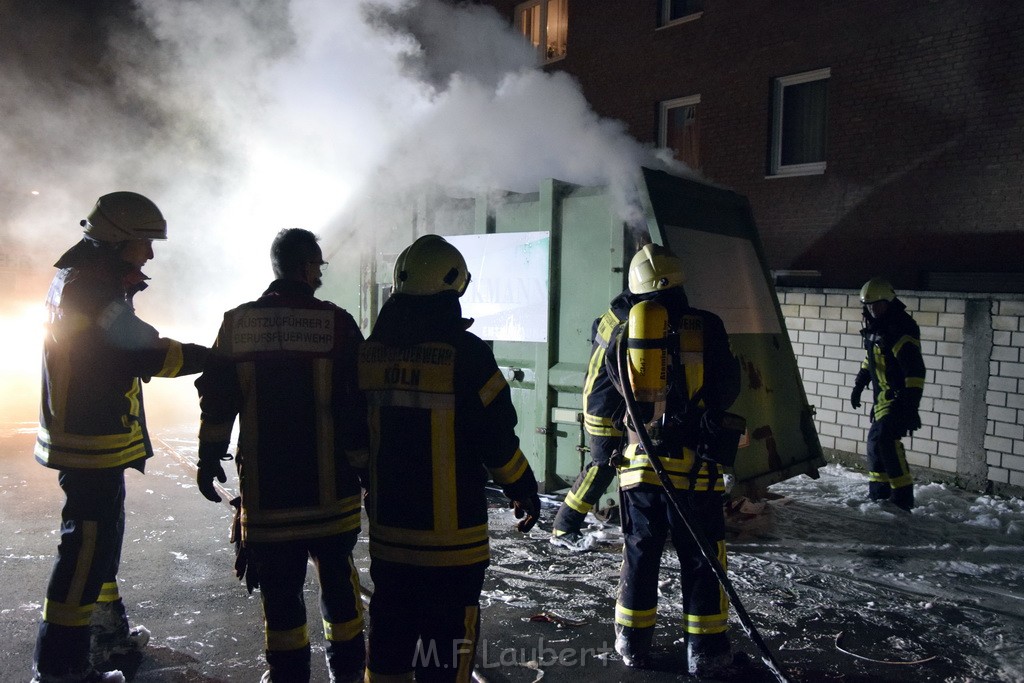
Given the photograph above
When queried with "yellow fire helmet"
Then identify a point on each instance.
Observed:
(876, 289)
(430, 265)
(654, 268)
(121, 216)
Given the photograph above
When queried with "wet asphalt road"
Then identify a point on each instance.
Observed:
(175, 571)
(176, 579)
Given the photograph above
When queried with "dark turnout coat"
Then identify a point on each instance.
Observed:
(441, 419)
(96, 354)
(893, 361)
(285, 366)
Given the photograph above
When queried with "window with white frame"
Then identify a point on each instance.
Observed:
(799, 123)
(545, 23)
(679, 129)
(677, 11)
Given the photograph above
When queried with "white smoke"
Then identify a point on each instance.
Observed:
(243, 117)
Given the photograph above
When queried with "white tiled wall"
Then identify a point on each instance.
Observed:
(824, 327)
(1004, 436)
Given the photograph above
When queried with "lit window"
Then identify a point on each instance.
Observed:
(799, 108)
(678, 129)
(545, 23)
(673, 11)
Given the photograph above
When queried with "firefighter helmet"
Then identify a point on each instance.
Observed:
(430, 265)
(876, 289)
(121, 216)
(654, 268)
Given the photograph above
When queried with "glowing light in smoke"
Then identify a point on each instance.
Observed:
(291, 192)
(20, 356)
(322, 115)
(22, 340)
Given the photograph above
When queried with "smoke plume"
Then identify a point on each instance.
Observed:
(243, 117)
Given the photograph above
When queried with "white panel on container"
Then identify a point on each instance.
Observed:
(508, 293)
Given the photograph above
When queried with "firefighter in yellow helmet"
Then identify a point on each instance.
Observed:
(683, 375)
(602, 406)
(441, 417)
(603, 426)
(92, 427)
(895, 369)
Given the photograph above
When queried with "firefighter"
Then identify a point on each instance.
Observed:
(894, 367)
(603, 428)
(441, 418)
(684, 376)
(92, 427)
(285, 365)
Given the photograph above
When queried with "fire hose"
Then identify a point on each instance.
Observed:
(695, 531)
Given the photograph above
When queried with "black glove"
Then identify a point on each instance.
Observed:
(210, 457)
(205, 476)
(863, 377)
(244, 567)
(527, 511)
(617, 459)
(907, 418)
(855, 396)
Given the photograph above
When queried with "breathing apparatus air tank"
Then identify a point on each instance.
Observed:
(646, 340)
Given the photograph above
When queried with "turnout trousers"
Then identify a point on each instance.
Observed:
(281, 568)
(648, 519)
(888, 473)
(423, 621)
(584, 494)
(88, 557)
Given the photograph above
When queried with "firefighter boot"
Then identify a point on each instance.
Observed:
(278, 676)
(634, 645)
(903, 497)
(346, 660)
(708, 655)
(879, 490)
(574, 541)
(568, 520)
(287, 666)
(350, 677)
(110, 634)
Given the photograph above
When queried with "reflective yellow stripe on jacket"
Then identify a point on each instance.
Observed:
(638, 470)
(433, 531)
(596, 421)
(80, 451)
(328, 513)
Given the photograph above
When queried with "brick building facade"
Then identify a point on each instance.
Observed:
(905, 158)
(923, 138)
